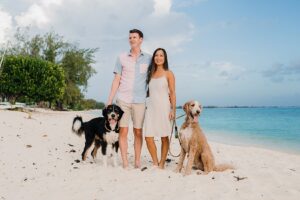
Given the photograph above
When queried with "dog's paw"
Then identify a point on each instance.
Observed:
(105, 161)
(115, 163)
(177, 170)
(187, 172)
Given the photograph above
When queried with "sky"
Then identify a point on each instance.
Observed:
(222, 52)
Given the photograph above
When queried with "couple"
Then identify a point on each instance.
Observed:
(136, 72)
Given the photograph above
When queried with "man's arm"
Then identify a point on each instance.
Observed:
(114, 87)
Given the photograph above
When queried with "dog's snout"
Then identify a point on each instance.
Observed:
(198, 111)
(113, 115)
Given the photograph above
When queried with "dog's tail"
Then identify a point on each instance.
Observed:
(223, 167)
(77, 126)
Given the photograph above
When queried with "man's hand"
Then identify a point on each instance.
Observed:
(109, 102)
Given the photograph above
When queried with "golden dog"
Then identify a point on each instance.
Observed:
(194, 143)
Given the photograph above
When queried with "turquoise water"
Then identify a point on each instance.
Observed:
(273, 128)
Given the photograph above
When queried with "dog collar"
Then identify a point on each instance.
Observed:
(110, 129)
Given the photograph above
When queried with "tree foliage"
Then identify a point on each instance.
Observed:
(89, 104)
(76, 62)
(78, 69)
(33, 78)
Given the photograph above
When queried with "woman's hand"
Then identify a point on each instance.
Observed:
(172, 115)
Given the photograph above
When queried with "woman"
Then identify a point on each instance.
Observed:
(161, 105)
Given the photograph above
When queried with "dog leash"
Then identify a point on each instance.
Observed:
(176, 135)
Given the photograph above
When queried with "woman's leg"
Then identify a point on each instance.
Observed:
(164, 151)
(152, 149)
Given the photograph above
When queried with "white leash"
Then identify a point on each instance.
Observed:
(176, 135)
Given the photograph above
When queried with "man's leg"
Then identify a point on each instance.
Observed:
(138, 142)
(123, 145)
(138, 115)
(124, 123)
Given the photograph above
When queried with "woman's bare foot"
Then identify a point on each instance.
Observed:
(125, 165)
(137, 165)
(161, 166)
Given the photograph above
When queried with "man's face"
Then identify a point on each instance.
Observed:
(135, 40)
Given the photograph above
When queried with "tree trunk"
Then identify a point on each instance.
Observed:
(59, 105)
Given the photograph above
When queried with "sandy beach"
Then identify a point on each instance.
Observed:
(41, 159)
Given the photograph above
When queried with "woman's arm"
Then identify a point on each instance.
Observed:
(171, 83)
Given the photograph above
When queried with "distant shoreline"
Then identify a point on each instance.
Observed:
(180, 107)
(4, 105)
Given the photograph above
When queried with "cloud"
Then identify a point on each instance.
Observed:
(212, 70)
(105, 24)
(171, 32)
(35, 16)
(280, 72)
(6, 26)
(38, 14)
(187, 3)
(162, 7)
(228, 70)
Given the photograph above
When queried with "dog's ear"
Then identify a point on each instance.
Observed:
(104, 112)
(185, 106)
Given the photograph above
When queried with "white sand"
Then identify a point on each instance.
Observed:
(47, 169)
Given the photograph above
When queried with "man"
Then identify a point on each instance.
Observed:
(130, 83)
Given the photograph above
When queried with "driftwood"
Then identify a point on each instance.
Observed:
(239, 178)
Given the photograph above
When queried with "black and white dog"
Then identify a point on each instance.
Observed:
(101, 130)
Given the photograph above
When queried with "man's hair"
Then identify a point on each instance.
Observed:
(138, 32)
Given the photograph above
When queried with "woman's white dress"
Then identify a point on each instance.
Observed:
(157, 121)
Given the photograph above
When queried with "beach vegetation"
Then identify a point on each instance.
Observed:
(75, 63)
(33, 79)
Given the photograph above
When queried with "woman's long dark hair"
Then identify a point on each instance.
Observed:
(153, 67)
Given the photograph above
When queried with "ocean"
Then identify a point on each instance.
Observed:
(275, 128)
